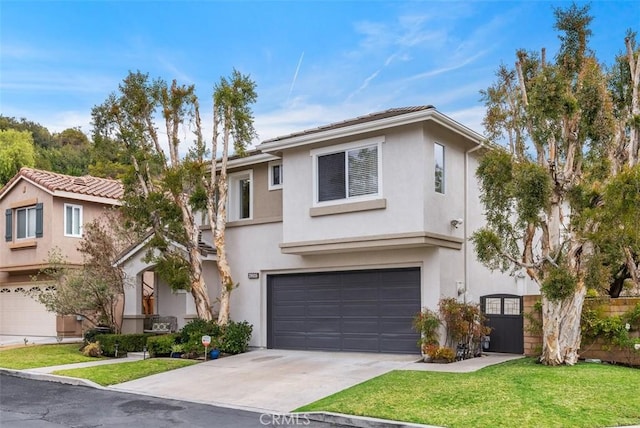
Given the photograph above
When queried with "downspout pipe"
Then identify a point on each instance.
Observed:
(465, 224)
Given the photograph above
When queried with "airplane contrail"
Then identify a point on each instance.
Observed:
(295, 76)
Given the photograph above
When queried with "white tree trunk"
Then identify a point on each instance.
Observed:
(561, 335)
(226, 281)
(634, 135)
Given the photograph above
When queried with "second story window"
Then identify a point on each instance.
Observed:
(240, 193)
(348, 173)
(73, 220)
(26, 223)
(438, 154)
(275, 175)
(23, 223)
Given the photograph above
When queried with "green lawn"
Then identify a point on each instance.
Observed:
(111, 374)
(519, 393)
(32, 356)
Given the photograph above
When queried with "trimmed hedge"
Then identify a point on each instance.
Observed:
(126, 343)
(160, 346)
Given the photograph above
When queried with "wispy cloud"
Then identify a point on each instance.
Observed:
(174, 71)
(295, 76)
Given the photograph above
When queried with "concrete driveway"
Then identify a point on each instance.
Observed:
(266, 379)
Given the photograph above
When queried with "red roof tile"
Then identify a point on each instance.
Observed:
(85, 185)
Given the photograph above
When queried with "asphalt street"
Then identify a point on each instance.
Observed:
(27, 403)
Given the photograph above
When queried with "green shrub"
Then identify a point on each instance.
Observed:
(191, 335)
(126, 343)
(427, 324)
(161, 346)
(235, 337)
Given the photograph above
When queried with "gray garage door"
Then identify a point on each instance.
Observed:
(358, 311)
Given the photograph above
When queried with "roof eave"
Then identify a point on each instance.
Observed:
(372, 126)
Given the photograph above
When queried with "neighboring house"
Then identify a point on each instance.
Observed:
(339, 235)
(43, 210)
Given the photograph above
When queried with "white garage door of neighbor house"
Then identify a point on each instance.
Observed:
(21, 314)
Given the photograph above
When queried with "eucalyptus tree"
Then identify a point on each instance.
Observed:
(170, 183)
(233, 123)
(557, 118)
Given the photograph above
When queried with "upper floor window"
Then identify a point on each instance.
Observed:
(27, 223)
(240, 193)
(438, 155)
(275, 175)
(348, 171)
(73, 220)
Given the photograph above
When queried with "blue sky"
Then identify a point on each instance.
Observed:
(314, 62)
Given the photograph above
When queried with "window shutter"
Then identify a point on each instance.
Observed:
(331, 177)
(8, 214)
(363, 171)
(39, 220)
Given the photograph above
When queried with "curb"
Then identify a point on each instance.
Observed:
(51, 378)
(360, 421)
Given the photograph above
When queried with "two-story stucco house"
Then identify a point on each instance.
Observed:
(339, 235)
(43, 210)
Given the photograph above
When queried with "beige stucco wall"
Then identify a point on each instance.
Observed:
(267, 204)
(256, 251)
(53, 228)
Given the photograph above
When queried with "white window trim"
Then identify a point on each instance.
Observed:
(368, 142)
(233, 211)
(271, 185)
(26, 210)
(72, 235)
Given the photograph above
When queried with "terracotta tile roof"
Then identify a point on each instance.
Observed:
(355, 121)
(85, 185)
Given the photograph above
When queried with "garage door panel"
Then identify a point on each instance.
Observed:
(291, 295)
(360, 293)
(400, 292)
(354, 343)
(322, 293)
(360, 309)
(360, 326)
(20, 314)
(289, 341)
(323, 342)
(367, 311)
(322, 325)
(323, 309)
(291, 325)
(318, 279)
(360, 277)
(289, 310)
